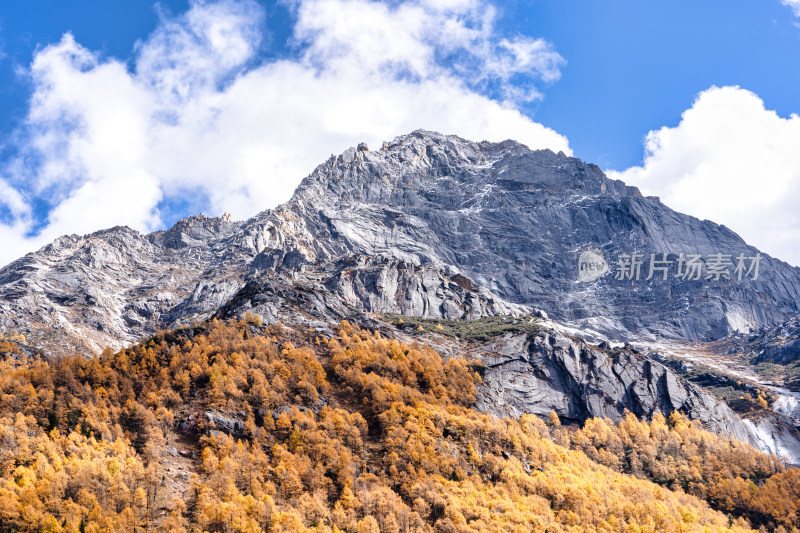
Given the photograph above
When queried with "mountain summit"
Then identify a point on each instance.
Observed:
(430, 225)
(436, 227)
(514, 221)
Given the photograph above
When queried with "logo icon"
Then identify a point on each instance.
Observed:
(591, 265)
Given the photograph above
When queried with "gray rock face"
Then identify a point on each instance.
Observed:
(116, 286)
(395, 286)
(232, 425)
(552, 372)
(780, 344)
(775, 435)
(514, 221)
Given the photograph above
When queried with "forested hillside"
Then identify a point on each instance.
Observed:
(232, 426)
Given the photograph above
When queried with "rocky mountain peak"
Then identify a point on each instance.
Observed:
(509, 220)
(424, 160)
(515, 220)
(194, 230)
(431, 226)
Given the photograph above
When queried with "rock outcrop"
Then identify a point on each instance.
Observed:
(550, 371)
(779, 344)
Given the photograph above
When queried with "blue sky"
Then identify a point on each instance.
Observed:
(163, 110)
(636, 66)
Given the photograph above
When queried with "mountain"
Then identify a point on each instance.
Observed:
(514, 220)
(437, 227)
(428, 225)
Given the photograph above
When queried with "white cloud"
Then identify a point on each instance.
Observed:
(732, 161)
(794, 5)
(197, 117)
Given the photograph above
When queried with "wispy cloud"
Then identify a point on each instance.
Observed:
(197, 119)
(794, 5)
